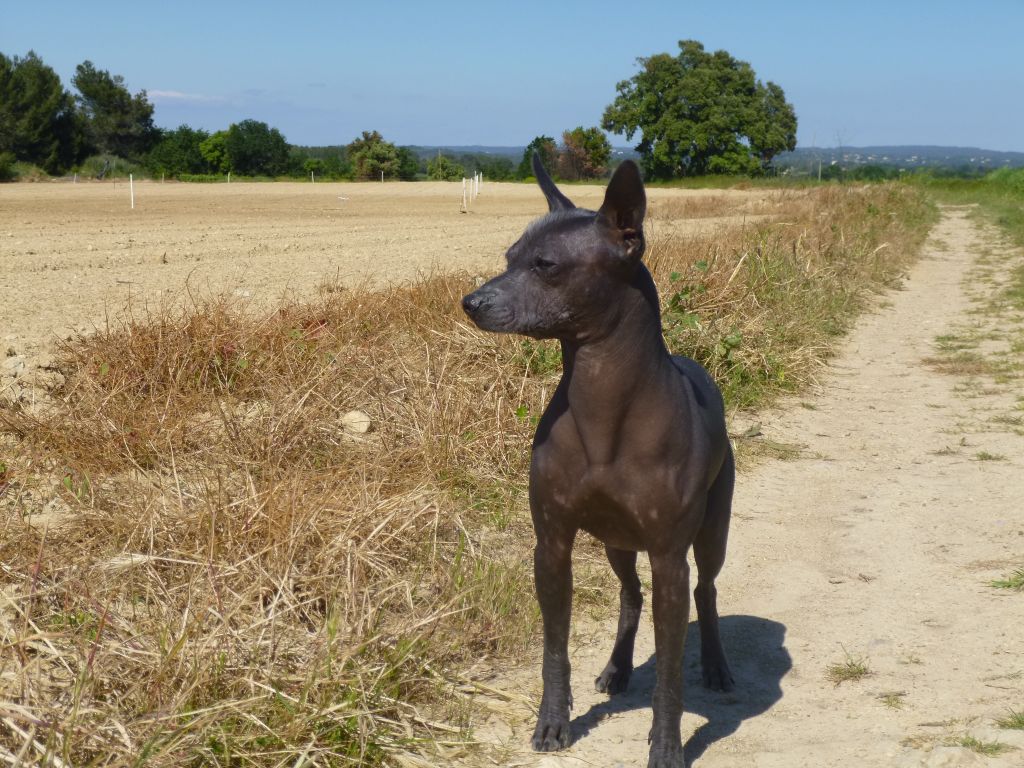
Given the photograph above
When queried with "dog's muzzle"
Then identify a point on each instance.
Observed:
(488, 312)
(472, 303)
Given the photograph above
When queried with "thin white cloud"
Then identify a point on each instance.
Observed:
(180, 96)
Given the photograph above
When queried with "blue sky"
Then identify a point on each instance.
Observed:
(858, 73)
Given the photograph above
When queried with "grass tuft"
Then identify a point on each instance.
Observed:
(1014, 581)
(893, 700)
(987, 456)
(1013, 720)
(851, 669)
(987, 748)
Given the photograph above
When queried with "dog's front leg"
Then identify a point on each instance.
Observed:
(552, 570)
(671, 611)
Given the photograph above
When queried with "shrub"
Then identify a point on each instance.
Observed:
(7, 171)
(202, 178)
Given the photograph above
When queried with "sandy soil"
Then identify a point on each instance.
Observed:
(877, 543)
(71, 253)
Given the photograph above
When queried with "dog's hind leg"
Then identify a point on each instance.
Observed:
(615, 677)
(709, 555)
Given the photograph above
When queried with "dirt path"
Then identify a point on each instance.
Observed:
(876, 544)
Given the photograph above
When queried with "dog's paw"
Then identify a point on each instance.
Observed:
(613, 680)
(551, 734)
(666, 757)
(716, 673)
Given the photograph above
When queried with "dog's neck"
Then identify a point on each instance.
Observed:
(606, 378)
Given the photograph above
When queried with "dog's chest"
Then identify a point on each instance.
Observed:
(627, 486)
(623, 505)
(613, 506)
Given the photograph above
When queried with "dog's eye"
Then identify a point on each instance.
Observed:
(544, 265)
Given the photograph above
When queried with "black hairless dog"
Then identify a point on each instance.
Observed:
(632, 448)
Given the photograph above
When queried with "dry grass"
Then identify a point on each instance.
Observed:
(761, 305)
(222, 537)
(203, 562)
(698, 206)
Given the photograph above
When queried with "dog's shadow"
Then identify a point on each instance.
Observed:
(758, 659)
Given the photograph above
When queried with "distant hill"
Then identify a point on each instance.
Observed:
(906, 157)
(468, 149)
(515, 153)
(805, 158)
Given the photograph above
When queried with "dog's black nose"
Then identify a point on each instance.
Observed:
(471, 303)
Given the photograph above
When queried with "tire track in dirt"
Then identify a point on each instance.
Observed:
(877, 543)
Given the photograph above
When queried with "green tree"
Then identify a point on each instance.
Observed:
(443, 168)
(180, 151)
(772, 125)
(547, 149)
(371, 155)
(314, 166)
(115, 121)
(253, 148)
(586, 154)
(408, 164)
(215, 152)
(496, 168)
(332, 161)
(699, 113)
(38, 123)
(7, 171)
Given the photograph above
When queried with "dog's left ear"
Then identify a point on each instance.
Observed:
(624, 206)
(556, 200)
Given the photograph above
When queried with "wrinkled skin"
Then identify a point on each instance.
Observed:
(632, 449)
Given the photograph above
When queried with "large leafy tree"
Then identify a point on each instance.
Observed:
(585, 155)
(331, 162)
(179, 151)
(496, 168)
(700, 112)
(214, 151)
(253, 148)
(772, 125)
(371, 155)
(116, 122)
(547, 149)
(38, 123)
(443, 168)
(408, 164)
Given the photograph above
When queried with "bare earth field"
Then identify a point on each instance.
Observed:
(877, 543)
(71, 252)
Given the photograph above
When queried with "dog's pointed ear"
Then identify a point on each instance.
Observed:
(556, 200)
(624, 206)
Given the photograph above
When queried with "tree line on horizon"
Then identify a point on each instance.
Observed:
(696, 113)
